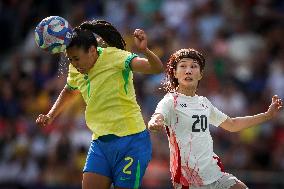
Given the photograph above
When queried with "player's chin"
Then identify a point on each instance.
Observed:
(82, 71)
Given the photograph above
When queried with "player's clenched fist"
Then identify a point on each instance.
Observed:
(43, 120)
(156, 123)
(140, 39)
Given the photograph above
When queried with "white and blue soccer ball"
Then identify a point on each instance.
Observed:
(53, 34)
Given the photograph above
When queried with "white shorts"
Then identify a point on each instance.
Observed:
(225, 182)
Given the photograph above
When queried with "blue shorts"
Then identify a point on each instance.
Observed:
(123, 159)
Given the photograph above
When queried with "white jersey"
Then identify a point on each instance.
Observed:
(187, 119)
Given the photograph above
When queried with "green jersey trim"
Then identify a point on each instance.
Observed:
(137, 176)
(70, 87)
(86, 77)
(127, 69)
(100, 50)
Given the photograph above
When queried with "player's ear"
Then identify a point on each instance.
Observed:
(201, 75)
(175, 73)
(92, 49)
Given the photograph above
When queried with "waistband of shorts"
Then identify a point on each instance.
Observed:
(110, 137)
(107, 138)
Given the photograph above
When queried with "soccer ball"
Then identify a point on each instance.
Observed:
(53, 34)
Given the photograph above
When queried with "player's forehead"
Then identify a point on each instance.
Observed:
(186, 61)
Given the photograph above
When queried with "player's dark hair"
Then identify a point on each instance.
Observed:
(84, 35)
(171, 83)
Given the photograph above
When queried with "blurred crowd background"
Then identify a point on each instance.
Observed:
(242, 41)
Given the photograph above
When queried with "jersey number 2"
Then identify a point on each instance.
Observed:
(203, 123)
(130, 159)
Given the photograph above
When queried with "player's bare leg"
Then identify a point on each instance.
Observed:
(95, 181)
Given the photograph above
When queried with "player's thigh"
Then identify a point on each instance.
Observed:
(130, 171)
(133, 161)
(96, 161)
(95, 181)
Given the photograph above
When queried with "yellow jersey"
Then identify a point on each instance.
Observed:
(108, 90)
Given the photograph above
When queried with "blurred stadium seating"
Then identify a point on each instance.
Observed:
(244, 48)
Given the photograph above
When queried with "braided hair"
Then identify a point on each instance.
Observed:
(171, 83)
(83, 35)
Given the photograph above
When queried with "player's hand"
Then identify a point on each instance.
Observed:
(156, 123)
(140, 39)
(275, 106)
(43, 120)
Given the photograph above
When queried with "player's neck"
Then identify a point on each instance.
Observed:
(187, 91)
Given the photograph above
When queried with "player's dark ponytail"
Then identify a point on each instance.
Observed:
(106, 31)
(83, 35)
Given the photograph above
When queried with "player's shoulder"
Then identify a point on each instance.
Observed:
(116, 54)
(168, 98)
(170, 95)
(204, 100)
(111, 50)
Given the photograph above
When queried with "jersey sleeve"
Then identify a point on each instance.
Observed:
(127, 58)
(71, 82)
(216, 116)
(164, 107)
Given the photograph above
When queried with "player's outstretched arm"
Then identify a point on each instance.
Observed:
(152, 63)
(240, 123)
(156, 123)
(66, 96)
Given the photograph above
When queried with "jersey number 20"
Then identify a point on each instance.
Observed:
(203, 123)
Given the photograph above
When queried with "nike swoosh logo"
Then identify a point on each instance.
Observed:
(123, 178)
